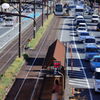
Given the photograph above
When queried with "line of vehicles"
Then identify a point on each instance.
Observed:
(91, 50)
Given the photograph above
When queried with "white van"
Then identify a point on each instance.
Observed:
(9, 21)
(96, 78)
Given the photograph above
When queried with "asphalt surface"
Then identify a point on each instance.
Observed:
(79, 83)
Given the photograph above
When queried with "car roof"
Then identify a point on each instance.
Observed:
(79, 16)
(96, 56)
(81, 28)
(90, 37)
(97, 69)
(94, 15)
(85, 32)
(91, 45)
(82, 23)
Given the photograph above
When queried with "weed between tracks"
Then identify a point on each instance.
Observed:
(7, 79)
(39, 33)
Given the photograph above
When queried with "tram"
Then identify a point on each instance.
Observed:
(79, 10)
(59, 9)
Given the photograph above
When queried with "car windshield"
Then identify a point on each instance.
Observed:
(84, 34)
(96, 60)
(59, 8)
(8, 20)
(90, 40)
(81, 21)
(95, 16)
(82, 25)
(92, 50)
(97, 75)
(79, 10)
(81, 28)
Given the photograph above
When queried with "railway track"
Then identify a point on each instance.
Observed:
(8, 55)
(29, 81)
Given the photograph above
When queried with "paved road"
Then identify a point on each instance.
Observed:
(8, 34)
(80, 75)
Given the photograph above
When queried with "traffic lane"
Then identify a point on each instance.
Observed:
(93, 32)
(96, 34)
(4, 29)
(86, 65)
(78, 74)
(76, 62)
(66, 29)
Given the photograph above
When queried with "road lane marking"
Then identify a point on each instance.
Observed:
(81, 64)
(61, 39)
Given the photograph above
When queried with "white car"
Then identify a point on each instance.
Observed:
(80, 30)
(83, 35)
(96, 78)
(95, 18)
(82, 25)
(90, 51)
(90, 40)
(79, 17)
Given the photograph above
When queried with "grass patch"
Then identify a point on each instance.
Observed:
(40, 32)
(7, 79)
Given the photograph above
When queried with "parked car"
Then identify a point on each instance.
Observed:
(83, 35)
(95, 18)
(90, 51)
(96, 78)
(95, 62)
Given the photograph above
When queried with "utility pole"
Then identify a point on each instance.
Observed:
(42, 12)
(47, 9)
(19, 44)
(34, 21)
